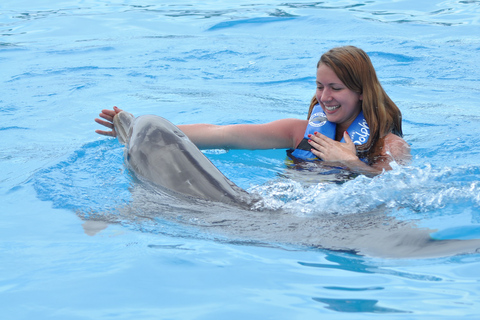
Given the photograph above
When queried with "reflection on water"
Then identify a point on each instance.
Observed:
(353, 289)
(361, 265)
(446, 13)
(356, 305)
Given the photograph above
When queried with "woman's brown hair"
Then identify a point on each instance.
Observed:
(354, 68)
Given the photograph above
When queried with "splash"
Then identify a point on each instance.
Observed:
(424, 191)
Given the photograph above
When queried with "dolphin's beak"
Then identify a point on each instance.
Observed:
(122, 122)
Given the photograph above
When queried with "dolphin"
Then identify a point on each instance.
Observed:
(159, 152)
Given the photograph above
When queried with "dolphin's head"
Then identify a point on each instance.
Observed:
(123, 123)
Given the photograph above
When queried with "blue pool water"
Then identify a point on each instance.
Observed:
(228, 62)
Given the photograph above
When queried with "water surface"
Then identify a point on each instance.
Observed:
(222, 62)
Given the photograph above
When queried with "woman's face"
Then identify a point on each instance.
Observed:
(340, 104)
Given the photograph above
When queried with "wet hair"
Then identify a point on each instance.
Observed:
(354, 68)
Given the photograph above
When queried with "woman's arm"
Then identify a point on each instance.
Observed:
(279, 134)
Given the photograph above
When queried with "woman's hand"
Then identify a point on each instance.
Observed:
(107, 115)
(333, 151)
(393, 148)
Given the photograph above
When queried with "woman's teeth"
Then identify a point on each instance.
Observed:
(332, 108)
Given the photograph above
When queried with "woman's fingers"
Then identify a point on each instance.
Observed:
(330, 150)
(104, 123)
(319, 140)
(108, 115)
(107, 133)
(319, 144)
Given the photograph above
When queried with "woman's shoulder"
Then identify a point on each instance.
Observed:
(396, 147)
(393, 139)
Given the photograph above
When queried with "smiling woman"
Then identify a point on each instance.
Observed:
(345, 75)
(349, 92)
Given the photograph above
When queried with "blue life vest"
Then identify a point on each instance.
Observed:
(358, 132)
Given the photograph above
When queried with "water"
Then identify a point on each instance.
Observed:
(223, 62)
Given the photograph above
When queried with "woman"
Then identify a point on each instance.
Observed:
(348, 96)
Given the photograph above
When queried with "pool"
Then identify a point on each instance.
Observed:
(227, 62)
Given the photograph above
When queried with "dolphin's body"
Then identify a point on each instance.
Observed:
(159, 152)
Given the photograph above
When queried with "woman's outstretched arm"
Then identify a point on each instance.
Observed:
(279, 134)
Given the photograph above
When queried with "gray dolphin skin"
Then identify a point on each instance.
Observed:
(159, 152)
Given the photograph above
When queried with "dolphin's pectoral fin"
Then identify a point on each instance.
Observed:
(92, 227)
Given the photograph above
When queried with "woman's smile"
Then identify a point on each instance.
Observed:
(332, 108)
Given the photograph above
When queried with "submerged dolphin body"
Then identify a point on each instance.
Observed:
(159, 152)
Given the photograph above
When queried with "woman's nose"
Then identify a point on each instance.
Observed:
(326, 95)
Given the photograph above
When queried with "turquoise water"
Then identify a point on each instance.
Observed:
(227, 62)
